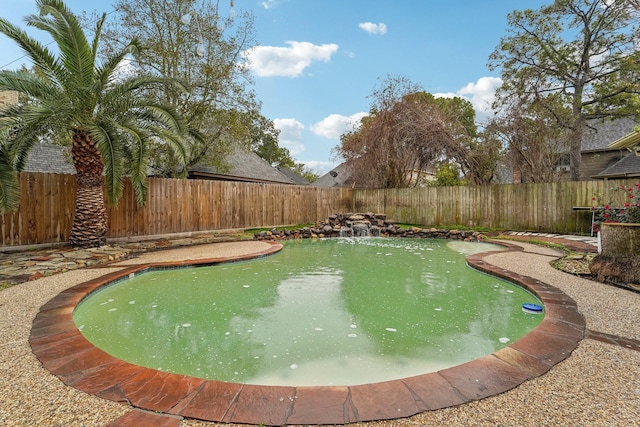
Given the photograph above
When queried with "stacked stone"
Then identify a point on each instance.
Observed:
(363, 224)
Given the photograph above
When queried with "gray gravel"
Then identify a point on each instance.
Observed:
(606, 308)
(30, 395)
(598, 385)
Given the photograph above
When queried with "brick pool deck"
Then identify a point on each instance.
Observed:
(163, 399)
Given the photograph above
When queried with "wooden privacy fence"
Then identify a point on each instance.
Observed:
(47, 204)
(547, 207)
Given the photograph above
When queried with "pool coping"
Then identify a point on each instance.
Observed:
(63, 350)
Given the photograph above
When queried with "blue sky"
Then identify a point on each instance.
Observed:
(318, 61)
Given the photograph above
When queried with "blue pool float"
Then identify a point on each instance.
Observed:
(531, 308)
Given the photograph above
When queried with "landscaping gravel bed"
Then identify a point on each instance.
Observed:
(598, 385)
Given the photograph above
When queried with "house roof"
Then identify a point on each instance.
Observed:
(245, 166)
(627, 167)
(48, 158)
(340, 176)
(599, 134)
(297, 179)
(630, 140)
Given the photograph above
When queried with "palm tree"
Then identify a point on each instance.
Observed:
(107, 119)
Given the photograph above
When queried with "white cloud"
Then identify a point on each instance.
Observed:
(372, 28)
(268, 4)
(447, 95)
(482, 93)
(290, 135)
(320, 167)
(291, 61)
(334, 125)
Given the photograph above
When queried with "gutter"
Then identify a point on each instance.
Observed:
(630, 141)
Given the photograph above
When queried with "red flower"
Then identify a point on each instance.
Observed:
(607, 207)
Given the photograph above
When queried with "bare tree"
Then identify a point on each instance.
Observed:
(406, 132)
(535, 143)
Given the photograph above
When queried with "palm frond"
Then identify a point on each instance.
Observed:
(175, 142)
(20, 129)
(143, 83)
(106, 137)
(138, 147)
(9, 188)
(63, 26)
(39, 55)
(96, 38)
(105, 74)
(29, 84)
(138, 168)
(161, 114)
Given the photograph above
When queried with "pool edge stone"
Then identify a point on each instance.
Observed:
(113, 379)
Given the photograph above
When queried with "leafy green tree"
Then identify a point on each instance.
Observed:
(447, 174)
(305, 172)
(482, 157)
(199, 42)
(476, 154)
(263, 140)
(582, 51)
(107, 120)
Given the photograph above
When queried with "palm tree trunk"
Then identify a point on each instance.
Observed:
(90, 220)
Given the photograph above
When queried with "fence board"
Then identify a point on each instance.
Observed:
(47, 203)
(533, 207)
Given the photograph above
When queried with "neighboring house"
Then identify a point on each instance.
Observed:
(599, 158)
(631, 142)
(293, 176)
(629, 165)
(422, 178)
(48, 158)
(8, 97)
(340, 176)
(597, 153)
(245, 166)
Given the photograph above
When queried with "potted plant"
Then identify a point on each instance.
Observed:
(618, 227)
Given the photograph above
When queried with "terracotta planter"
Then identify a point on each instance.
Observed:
(620, 239)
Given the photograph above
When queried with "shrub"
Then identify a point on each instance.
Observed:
(627, 212)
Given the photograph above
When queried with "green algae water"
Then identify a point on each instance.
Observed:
(320, 312)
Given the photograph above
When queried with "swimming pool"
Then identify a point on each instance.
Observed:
(321, 312)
